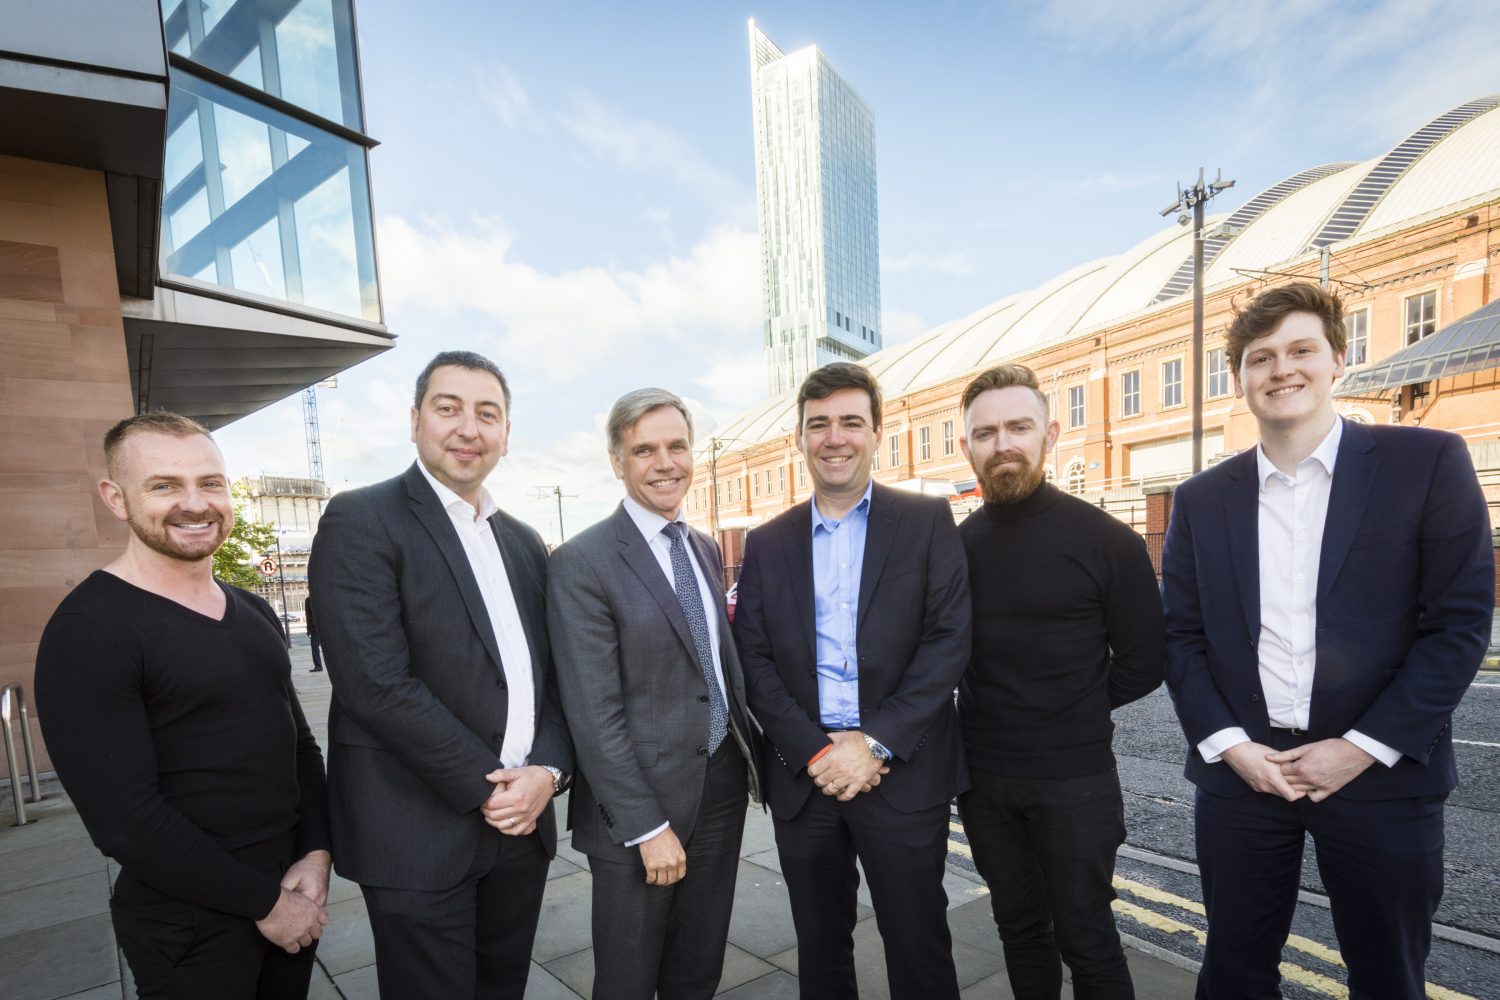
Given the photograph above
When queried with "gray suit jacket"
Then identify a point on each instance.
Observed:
(636, 700)
(419, 694)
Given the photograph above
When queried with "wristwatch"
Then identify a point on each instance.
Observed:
(876, 750)
(560, 779)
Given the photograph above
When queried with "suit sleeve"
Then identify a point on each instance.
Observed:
(1201, 707)
(1455, 602)
(89, 696)
(586, 650)
(353, 576)
(1133, 620)
(794, 734)
(553, 744)
(901, 721)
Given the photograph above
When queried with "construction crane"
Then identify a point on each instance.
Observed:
(310, 425)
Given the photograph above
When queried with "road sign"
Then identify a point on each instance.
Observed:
(267, 566)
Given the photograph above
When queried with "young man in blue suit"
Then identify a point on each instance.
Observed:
(1328, 598)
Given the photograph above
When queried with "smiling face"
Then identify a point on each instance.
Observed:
(461, 429)
(656, 460)
(1006, 436)
(838, 437)
(173, 492)
(1287, 376)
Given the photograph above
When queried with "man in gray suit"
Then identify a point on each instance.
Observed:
(444, 726)
(653, 690)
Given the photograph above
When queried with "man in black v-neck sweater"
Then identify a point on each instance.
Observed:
(167, 704)
(1067, 627)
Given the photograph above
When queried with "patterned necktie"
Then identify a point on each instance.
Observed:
(686, 583)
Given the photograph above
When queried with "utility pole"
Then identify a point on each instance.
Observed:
(1195, 198)
(543, 492)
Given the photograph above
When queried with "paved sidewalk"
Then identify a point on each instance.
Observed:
(56, 940)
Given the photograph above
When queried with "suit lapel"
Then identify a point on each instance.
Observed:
(798, 577)
(527, 591)
(431, 515)
(1354, 475)
(637, 555)
(880, 535)
(1242, 528)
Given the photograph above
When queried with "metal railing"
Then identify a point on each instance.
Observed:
(17, 694)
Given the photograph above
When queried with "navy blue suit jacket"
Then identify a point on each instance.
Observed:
(1406, 587)
(913, 635)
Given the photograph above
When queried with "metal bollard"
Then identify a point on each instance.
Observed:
(10, 755)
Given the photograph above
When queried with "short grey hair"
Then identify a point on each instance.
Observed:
(632, 406)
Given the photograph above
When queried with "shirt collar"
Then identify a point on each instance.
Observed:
(828, 524)
(648, 522)
(448, 498)
(1325, 454)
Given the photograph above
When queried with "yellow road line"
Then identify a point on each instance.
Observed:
(1159, 921)
(962, 850)
(1313, 981)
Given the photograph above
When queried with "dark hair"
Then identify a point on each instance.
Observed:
(1004, 377)
(461, 359)
(824, 382)
(153, 422)
(1264, 313)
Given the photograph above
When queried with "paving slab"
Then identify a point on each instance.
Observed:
(575, 971)
(775, 986)
(542, 985)
(59, 961)
(761, 922)
(58, 902)
(565, 926)
(341, 889)
(46, 863)
(346, 944)
(359, 984)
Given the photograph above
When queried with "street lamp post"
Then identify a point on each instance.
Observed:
(1195, 198)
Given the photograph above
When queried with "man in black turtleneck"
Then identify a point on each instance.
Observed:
(1067, 627)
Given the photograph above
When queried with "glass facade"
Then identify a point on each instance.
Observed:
(815, 185)
(255, 200)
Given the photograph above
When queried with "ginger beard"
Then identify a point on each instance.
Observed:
(1010, 476)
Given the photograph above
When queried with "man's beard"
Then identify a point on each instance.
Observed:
(157, 539)
(1012, 484)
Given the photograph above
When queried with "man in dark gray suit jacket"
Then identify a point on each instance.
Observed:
(444, 726)
(653, 689)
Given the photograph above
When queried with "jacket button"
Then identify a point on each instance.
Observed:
(1255, 697)
(703, 751)
(703, 699)
(813, 672)
(498, 737)
(500, 683)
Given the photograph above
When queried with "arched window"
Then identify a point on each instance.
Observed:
(1075, 476)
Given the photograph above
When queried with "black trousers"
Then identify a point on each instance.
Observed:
(182, 951)
(473, 940)
(903, 856)
(1381, 863)
(1046, 847)
(668, 941)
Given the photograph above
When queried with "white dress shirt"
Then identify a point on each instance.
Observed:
(1292, 512)
(652, 527)
(483, 549)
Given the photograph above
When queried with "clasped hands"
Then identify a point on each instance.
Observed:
(297, 919)
(520, 795)
(848, 769)
(1315, 770)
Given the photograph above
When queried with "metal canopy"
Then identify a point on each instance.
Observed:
(1470, 345)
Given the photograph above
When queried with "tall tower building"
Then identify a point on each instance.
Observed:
(819, 234)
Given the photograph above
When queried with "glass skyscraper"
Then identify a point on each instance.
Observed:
(819, 232)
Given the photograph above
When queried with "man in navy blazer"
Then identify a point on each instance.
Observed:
(1328, 599)
(853, 624)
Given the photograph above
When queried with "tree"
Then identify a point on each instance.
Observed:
(235, 561)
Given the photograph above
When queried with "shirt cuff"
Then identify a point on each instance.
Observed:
(645, 837)
(1213, 748)
(1388, 756)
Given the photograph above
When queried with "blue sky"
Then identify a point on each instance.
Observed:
(570, 188)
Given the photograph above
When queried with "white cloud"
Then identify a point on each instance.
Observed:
(957, 263)
(502, 90)
(638, 144)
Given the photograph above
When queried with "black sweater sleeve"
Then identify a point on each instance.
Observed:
(93, 713)
(1133, 617)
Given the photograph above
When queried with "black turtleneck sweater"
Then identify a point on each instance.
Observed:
(1067, 626)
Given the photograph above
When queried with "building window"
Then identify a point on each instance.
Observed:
(1421, 316)
(755, 484)
(1171, 383)
(1357, 330)
(1076, 476)
(924, 444)
(1075, 406)
(801, 473)
(947, 437)
(781, 479)
(875, 461)
(1218, 373)
(895, 442)
(1130, 393)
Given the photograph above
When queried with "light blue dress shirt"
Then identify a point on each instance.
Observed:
(838, 555)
